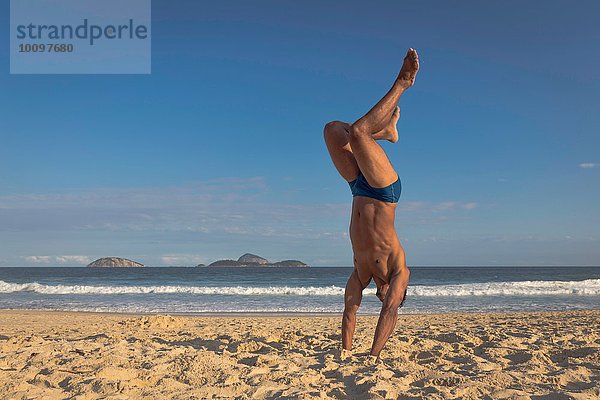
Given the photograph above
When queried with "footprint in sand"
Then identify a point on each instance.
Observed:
(426, 357)
(520, 357)
(450, 338)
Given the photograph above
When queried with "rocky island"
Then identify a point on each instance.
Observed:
(252, 260)
(114, 262)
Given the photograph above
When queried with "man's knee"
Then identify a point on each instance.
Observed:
(330, 126)
(333, 128)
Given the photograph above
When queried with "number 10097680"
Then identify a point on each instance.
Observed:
(45, 48)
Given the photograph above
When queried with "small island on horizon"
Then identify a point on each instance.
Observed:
(252, 260)
(114, 262)
(246, 260)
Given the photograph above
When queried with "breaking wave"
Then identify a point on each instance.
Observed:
(520, 288)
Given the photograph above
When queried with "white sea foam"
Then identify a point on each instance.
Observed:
(521, 288)
(6, 287)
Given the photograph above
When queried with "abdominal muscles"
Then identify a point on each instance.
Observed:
(373, 235)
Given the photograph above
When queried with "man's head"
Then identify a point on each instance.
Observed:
(382, 291)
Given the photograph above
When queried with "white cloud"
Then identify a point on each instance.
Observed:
(589, 165)
(432, 207)
(57, 259)
(38, 259)
(469, 206)
(231, 206)
(182, 259)
(73, 259)
(192, 224)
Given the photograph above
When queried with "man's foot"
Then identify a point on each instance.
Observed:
(390, 132)
(409, 69)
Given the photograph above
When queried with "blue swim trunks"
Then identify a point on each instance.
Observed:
(388, 194)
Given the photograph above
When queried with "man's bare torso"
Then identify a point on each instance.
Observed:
(378, 253)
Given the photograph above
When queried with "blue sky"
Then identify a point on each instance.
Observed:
(220, 151)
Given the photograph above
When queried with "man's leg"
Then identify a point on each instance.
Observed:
(389, 310)
(337, 138)
(370, 157)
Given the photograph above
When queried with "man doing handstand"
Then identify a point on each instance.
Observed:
(375, 187)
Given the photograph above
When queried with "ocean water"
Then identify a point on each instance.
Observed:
(294, 290)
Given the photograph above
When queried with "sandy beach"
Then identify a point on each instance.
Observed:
(59, 355)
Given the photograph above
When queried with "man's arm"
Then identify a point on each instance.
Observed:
(389, 310)
(352, 299)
